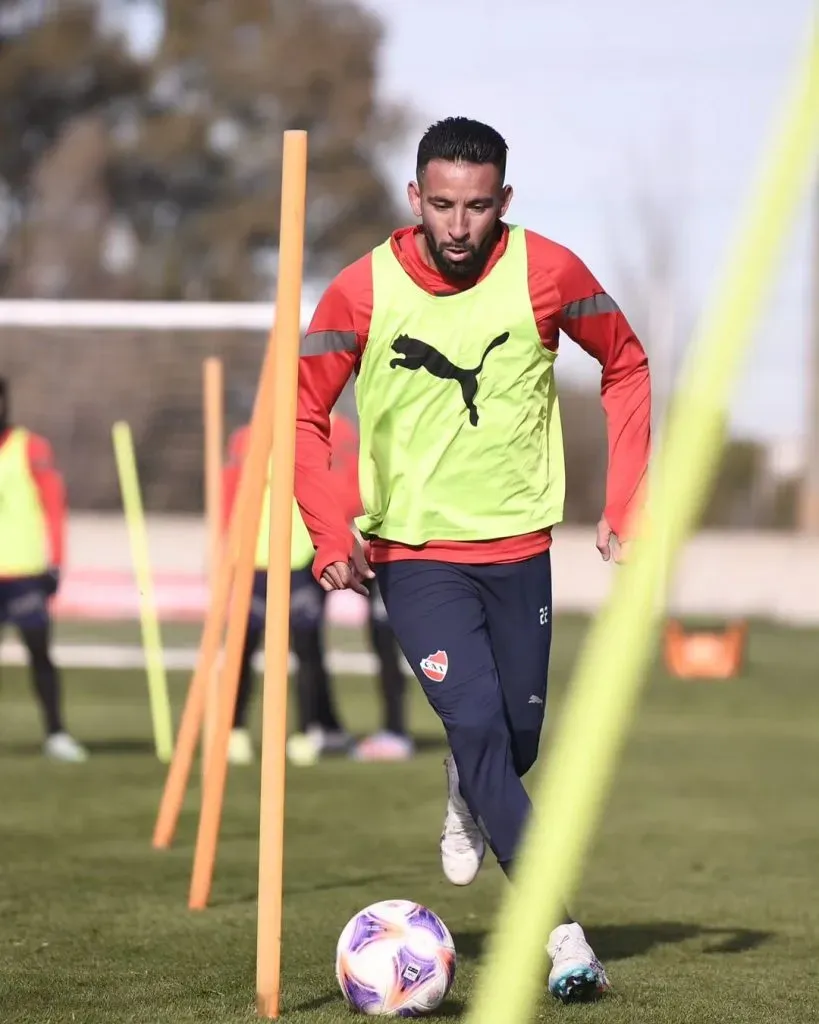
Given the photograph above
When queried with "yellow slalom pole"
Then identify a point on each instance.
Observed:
(581, 759)
(151, 641)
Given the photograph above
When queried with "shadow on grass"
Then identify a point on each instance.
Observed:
(431, 743)
(123, 746)
(298, 890)
(317, 1002)
(424, 743)
(22, 750)
(621, 942)
(450, 1007)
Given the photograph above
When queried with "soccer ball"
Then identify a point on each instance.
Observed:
(395, 959)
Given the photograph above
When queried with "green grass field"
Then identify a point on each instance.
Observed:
(701, 893)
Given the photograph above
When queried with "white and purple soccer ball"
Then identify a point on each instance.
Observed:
(395, 958)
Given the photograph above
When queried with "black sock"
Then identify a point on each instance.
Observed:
(315, 700)
(393, 683)
(245, 692)
(45, 677)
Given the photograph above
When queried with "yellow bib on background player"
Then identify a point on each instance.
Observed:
(301, 546)
(460, 428)
(23, 531)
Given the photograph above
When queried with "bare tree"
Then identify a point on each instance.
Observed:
(651, 289)
(650, 283)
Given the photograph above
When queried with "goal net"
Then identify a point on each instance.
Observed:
(74, 369)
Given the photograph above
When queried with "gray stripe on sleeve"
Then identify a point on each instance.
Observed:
(320, 342)
(595, 305)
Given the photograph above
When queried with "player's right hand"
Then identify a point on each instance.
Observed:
(348, 575)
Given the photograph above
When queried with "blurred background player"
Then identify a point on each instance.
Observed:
(32, 526)
(320, 728)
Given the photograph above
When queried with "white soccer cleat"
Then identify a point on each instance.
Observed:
(305, 748)
(462, 844)
(384, 746)
(576, 975)
(302, 749)
(331, 741)
(60, 746)
(240, 747)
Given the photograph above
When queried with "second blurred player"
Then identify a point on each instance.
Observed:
(32, 528)
(321, 731)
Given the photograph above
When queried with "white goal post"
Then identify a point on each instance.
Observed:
(77, 366)
(104, 314)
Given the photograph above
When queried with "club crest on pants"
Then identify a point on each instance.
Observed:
(435, 666)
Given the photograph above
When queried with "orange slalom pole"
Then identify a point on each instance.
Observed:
(173, 795)
(274, 710)
(213, 423)
(256, 470)
(241, 523)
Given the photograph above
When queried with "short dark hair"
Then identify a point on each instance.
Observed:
(461, 139)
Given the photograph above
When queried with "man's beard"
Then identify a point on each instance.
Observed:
(461, 270)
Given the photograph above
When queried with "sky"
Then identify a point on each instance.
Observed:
(604, 105)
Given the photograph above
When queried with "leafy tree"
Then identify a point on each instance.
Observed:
(161, 179)
(192, 167)
(53, 70)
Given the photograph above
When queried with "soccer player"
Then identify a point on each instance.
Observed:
(32, 527)
(320, 729)
(452, 328)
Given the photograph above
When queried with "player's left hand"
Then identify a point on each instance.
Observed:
(608, 543)
(351, 574)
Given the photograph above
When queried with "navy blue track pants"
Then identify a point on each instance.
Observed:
(478, 639)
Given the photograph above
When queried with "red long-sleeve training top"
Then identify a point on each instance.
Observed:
(565, 297)
(344, 442)
(51, 490)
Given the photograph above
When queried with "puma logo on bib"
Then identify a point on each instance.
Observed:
(418, 355)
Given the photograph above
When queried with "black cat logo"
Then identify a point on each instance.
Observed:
(419, 355)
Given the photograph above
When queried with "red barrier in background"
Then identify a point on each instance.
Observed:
(103, 594)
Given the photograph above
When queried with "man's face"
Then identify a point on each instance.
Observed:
(460, 205)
